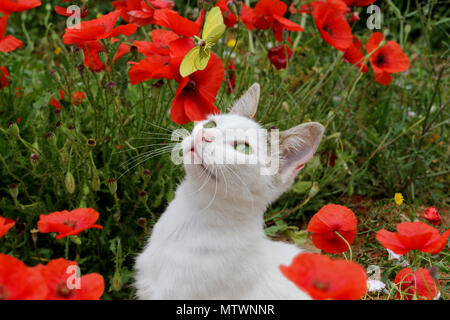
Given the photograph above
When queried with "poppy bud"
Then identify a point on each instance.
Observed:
(146, 174)
(314, 190)
(81, 68)
(95, 182)
(111, 87)
(85, 190)
(143, 196)
(70, 182)
(117, 281)
(285, 35)
(13, 129)
(91, 143)
(432, 216)
(14, 190)
(112, 185)
(50, 136)
(142, 222)
(434, 272)
(34, 235)
(35, 159)
(75, 240)
(103, 57)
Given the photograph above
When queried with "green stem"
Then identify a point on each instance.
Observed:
(346, 242)
(66, 250)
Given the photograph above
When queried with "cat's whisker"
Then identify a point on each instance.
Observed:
(146, 156)
(225, 180)
(144, 160)
(139, 157)
(243, 183)
(157, 126)
(143, 146)
(215, 192)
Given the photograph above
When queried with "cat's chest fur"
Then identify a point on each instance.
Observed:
(212, 254)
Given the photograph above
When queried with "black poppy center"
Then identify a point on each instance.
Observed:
(190, 86)
(381, 59)
(327, 28)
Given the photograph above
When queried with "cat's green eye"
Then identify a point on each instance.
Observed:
(210, 124)
(243, 148)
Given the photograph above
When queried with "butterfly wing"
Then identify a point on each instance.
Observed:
(214, 27)
(196, 59)
(188, 65)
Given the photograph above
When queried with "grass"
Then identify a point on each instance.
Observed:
(383, 139)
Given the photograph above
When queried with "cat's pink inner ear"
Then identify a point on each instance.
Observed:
(299, 145)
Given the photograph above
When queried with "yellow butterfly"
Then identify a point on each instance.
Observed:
(197, 58)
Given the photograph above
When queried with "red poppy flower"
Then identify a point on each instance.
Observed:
(354, 54)
(353, 16)
(152, 67)
(92, 49)
(8, 43)
(323, 278)
(78, 97)
(5, 225)
(269, 14)
(181, 26)
(56, 103)
(419, 283)
(413, 236)
(304, 8)
(277, 56)
(63, 284)
(4, 76)
(231, 77)
(359, 3)
(247, 16)
(101, 28)
(160, 45)
(157, 63)
(432, 216)
(387, 59)
(8, 6)
(229, 17)
(140, 12)
(330, 20)
(63, 11)
(329, 219)
(69, 223)
(17, 282)
(196, 93)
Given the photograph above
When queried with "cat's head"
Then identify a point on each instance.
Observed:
(232, 156)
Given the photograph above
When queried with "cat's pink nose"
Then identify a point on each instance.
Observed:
(203, 135)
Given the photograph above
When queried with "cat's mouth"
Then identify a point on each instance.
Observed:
(194, 155)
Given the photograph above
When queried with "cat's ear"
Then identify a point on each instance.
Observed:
(297, 147)
(247, 105)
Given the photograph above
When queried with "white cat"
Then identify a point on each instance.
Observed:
(210, 241)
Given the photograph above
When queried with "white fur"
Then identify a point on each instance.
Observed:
(210, 241)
